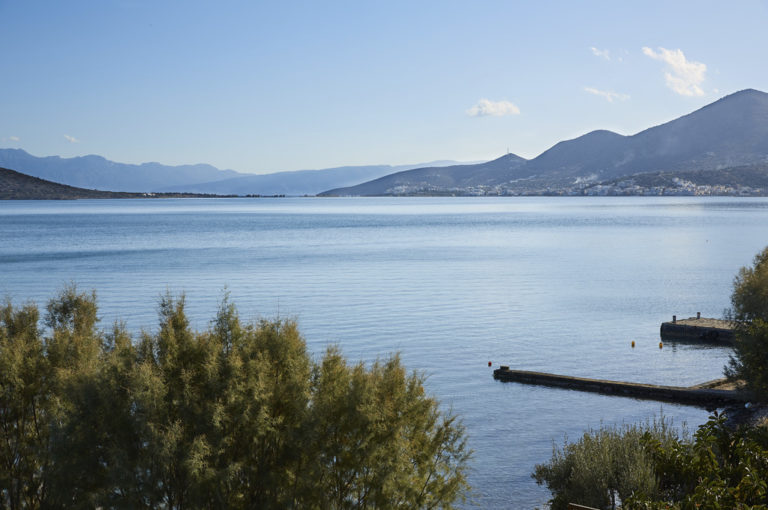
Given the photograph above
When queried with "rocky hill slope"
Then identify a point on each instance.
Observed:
(17, 186)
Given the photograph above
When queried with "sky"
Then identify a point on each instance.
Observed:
(262, 86)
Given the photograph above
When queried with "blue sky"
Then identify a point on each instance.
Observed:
(261, 87)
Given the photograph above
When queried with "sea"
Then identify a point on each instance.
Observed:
(554, 284)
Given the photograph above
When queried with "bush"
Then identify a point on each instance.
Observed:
(650, 468)
(749, 311)
(238, 416)
(605, 466)
(720, 468)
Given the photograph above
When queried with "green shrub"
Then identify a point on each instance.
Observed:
(749, 311)
(238, 416)
(605, 466)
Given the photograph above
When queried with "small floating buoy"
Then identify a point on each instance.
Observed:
(633, 344)
(661, 345)
(489, 363)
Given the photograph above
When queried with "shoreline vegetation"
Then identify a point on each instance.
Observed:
(237, 416)
(724, 464)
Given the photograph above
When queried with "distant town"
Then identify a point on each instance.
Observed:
(625, 187)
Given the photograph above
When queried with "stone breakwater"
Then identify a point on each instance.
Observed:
(703, 395)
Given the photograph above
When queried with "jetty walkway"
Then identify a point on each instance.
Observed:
(702, 395)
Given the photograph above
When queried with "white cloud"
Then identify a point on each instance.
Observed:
(71, 139)
(496, 108)
(606, 94)
(14, 138)
(683, 76)
(601, 53)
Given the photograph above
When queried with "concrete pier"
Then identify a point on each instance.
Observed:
(700, 395)
(698, 329)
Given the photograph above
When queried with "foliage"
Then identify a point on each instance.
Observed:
(749, 311)
(238, 416)
(25, 403)
(721, 468)
(603, 467)
(749, 300)
(651, 468)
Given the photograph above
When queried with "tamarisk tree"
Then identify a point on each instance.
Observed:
(238, 416)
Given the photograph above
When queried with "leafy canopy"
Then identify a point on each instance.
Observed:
(749, 311)
(238, 416)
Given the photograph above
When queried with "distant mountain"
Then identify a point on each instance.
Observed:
(100, 173)
(18, 186)
(730, 132)
(434, 179)
(96, 172)
(299, 182)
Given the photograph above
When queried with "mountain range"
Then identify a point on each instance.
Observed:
(298, 182)
(731, 132)
(96, 172)
(723, 144)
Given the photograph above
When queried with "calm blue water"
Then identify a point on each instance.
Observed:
(554, 284)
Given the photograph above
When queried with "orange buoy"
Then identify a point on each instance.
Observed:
(661, 345)
(633, 344)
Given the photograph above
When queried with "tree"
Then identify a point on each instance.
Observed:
(749, 311)
(749, 300)
(41, 380)
(378, 442)
(25, 399)
(238, 416)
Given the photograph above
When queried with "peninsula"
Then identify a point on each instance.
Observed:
(18, 186)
